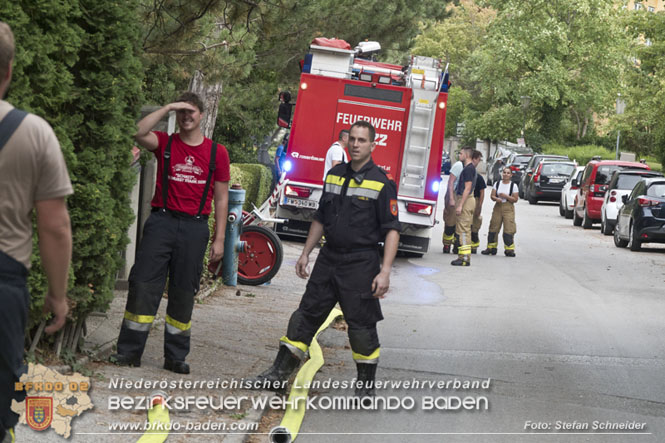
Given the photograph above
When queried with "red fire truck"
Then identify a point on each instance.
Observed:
(406, 105)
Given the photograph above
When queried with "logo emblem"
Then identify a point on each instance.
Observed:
(393, 207)
(295, 154)
(39, 412)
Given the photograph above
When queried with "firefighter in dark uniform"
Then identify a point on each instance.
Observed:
(357, 210)
(479, 196)
(192, 171)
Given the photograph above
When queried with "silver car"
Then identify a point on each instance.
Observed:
(567, 202)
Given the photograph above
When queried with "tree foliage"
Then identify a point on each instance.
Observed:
(550, 66)
(254, 48)
(566, 56)
(642, 126)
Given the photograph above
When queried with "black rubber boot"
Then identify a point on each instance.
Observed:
(460, 262)
(509, 242)
(475, 242)
(179, 367)
(125, 360)
(491, 238)
(446, 249)
(276, 378)
(366, 379)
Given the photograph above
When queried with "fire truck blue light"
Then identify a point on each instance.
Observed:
(435, 186)
(288, 165)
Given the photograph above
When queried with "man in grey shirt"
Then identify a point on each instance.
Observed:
(33, 174)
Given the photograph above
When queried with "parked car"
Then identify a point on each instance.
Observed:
(567, 200)
(642, 217)
(445, 163)
(531, 167)
(548, 180)
(621, 183)
(516, 166)
(595, 180)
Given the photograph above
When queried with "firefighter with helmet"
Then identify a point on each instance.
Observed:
(357, 210)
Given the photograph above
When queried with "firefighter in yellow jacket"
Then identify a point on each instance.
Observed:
(505, 194)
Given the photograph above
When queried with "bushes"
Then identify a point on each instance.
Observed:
(581, 154)
(255, 179)
(76, 65)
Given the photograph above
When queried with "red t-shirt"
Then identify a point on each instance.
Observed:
(189, 171)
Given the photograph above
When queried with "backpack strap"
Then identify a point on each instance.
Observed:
(512, 185)
(9, 124)
(211, 169)
(165, 173)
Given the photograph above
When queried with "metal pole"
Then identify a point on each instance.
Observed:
(621, 106)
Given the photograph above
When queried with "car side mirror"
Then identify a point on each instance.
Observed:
(624, 199)
(573, 182)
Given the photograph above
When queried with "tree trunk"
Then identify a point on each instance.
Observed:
(586, 125)
(579, 125)
(210, 94)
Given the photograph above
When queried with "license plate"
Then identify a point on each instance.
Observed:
(556, 180)
(300, 203)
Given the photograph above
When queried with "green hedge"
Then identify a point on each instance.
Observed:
(581, 154)
(586, 152)
(255, 179)
(77, 66)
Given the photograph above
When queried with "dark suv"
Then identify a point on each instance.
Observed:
(548, 180)
(531, 167)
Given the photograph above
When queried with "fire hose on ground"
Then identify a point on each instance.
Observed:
(288, 429)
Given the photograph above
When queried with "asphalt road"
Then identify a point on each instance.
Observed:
(567, 334)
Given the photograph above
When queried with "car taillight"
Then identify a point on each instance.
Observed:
(598, 190)
(419, 208)
(514, 168)
(297, 191)
(537, 176)
(647, 202)
(613, 196)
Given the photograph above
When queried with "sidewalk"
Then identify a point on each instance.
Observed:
(235, 333)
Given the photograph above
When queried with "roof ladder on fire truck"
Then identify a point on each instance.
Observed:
(423, 77)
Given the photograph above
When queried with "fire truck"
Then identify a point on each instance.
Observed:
(407, 107)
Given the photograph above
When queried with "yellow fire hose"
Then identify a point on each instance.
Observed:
(158, 417)
(287, 431)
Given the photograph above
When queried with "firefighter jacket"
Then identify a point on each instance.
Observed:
(357, 209)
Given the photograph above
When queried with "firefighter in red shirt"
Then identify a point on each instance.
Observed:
(191, 170)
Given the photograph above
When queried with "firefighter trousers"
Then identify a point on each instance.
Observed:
(449, 221)
(344, 277)
(475, 229)
(463, 227)
(502, 214)
(173, 246)
(13, 320)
